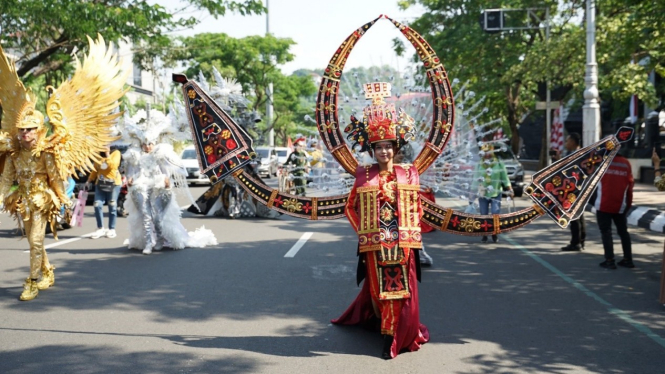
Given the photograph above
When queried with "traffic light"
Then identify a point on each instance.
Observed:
(491, 20)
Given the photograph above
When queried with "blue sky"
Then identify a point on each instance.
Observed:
(318, 27)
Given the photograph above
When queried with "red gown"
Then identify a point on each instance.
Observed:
(396, 299)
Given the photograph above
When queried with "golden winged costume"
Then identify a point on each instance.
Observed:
(41, 152)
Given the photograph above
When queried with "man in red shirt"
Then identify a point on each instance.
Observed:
(614, 197)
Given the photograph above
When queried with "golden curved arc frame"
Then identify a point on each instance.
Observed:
(443, 104)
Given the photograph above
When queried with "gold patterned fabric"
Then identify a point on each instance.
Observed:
(34, 201)
(38, 189)
(80, 119)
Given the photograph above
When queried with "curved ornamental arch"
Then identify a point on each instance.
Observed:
(327, 116)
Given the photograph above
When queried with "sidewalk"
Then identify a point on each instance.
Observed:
(648, 210)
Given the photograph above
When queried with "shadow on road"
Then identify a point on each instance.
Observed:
(492, 294)
(105, 359)
(495, 293)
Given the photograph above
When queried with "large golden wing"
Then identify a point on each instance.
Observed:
(14, 97)
(83, 110)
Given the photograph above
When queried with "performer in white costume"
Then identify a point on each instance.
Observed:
(155, 175)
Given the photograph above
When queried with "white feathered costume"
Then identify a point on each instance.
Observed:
(154, 215)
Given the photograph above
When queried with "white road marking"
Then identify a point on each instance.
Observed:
(63, 242)
(296, 247)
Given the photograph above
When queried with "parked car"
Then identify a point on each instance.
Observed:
(191, 163)
(268, 161)
(514, 169)
(282, 154)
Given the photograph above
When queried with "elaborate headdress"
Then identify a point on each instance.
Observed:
(301, 141)
(381, 121)
(152, 126)
(32, 118)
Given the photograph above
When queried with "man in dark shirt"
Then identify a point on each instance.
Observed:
(577, 227)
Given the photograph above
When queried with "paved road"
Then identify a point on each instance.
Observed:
(519, 306)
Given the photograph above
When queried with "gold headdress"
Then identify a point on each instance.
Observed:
(80, 111)
(381, 121)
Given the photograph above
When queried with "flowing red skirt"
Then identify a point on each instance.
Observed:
(410, 334)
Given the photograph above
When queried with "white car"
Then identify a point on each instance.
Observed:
(191, 163)
(268, 157)
(282, 154)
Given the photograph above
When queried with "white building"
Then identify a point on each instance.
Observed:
(143, 83)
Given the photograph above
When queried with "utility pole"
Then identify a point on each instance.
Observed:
(269, 107)
(591, 108)
(548, 98)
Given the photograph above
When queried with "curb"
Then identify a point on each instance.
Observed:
(642, 216)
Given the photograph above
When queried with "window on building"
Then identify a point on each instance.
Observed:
(137, 76)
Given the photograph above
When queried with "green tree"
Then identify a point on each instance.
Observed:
(252, 61)
(508, 67)
(489, 62)
(293, 99)
(631, 44)
(44, 33)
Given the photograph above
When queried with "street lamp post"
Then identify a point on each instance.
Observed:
(269, 108)
(591, 109)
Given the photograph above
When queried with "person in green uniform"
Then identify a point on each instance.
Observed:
(489, 180)
(298, 161)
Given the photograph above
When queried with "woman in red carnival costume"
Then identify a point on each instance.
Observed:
(384, 209)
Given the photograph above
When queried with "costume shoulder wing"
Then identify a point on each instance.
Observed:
(131, 156)
(6, 143)
(168, 158)
(15, 98)
(84, 109)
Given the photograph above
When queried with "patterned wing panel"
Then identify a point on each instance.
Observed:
(222, 146)
(563, 189)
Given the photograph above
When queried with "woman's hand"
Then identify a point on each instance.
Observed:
(130, 181)
(167, 182)
(655, 159)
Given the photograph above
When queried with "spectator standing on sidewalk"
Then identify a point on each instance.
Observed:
(489, 179)
(577, 227)
(316, 163)
(107, 182)
(614, 196)
(659, 181)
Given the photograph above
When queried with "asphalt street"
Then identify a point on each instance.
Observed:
(256, 304)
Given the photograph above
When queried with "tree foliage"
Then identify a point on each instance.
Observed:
(44, 33)
(253, 62)
(509, 67)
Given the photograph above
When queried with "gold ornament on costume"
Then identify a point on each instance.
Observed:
(80, 111)
(80, 115)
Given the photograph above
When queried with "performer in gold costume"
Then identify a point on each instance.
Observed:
(39, 156)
